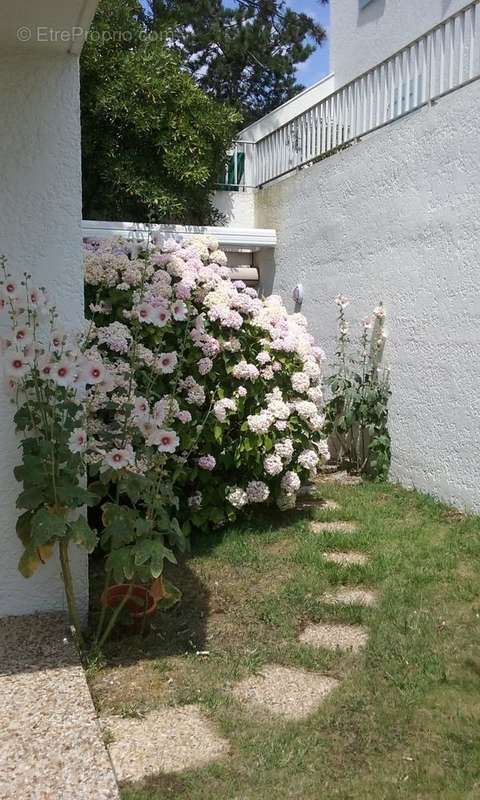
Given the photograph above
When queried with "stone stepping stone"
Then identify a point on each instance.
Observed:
(328, 505)
(348, 596)
(285, 691)
(340, 477)
(167, 740)
(345, 558)
(333, 527)
(319, 504)
(335, 637)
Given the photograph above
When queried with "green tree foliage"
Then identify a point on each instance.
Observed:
(153, 142)
(246, 54)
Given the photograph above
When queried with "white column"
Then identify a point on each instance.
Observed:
(40, 219)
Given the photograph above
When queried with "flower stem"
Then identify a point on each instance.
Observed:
(104, 608)
(115, 616)
(70, 593)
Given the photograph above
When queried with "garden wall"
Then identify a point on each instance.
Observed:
(40, 218)
(397, 218)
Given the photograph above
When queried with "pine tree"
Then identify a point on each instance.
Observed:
(246, 55)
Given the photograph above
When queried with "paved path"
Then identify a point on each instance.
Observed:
(50, 742)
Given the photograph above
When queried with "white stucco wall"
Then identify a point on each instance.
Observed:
(397, 218)
(361, 38)
(40, 218)
(238, 208)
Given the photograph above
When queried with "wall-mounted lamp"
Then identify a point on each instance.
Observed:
(298, 294)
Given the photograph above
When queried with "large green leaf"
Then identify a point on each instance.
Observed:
(31, 498)
(82, 534)
(47, 526)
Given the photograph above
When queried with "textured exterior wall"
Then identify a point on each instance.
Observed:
(362, 37)
(397, 218)
(40, 216)
(238, 207)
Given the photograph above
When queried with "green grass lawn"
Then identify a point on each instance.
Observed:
(405, 721)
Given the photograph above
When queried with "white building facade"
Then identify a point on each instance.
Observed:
(373, 192)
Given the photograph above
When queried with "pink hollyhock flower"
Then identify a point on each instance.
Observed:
(38, 299)
(107, 385)
(179, 311)
(167, 362)
(63, 373)
(160, 317)
(144, 312)
(16, 365)
(207, 462)
(5, 344)
(77, 441)
(93, 372)
(11, 386)
(44, 366)
(11, 290)
(29, 352)
(141, 407)
(160, 411)
(58, 340)
(166, 441)
(146, 426)
(120, 458)
(23, 336)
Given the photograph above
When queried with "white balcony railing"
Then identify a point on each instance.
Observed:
(444, 59)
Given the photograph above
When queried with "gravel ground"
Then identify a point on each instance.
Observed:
(335, 637)
(291, 693)
(350, 597)
(166, 740)
(348, 557)
(333, 527)
(50, 742)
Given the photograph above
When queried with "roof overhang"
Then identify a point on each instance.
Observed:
(41, 26)
(229, 238)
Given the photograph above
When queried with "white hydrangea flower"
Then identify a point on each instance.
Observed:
(284, 449)
(300, 382)
(273, 464)
(260, 423)
(257, 492)
(237, 497)
(308, 459)
(290, 483)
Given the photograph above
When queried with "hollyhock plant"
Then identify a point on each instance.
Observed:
(80, 414)
(42, 367)
(245, 375)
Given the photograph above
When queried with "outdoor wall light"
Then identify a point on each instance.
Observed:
(298, 294)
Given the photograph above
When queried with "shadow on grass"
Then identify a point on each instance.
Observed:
(183, 628)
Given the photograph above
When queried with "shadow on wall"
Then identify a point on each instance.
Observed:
(266, 271)
(223, 202)
(374, 10)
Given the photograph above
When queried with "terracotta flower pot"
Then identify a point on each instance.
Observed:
(139, 607)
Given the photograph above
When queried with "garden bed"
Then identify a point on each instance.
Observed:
(401, 715)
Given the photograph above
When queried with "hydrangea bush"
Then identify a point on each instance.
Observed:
(227, 385)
